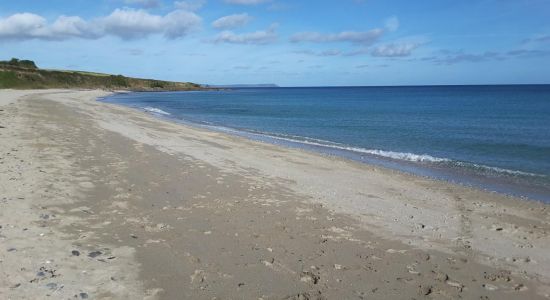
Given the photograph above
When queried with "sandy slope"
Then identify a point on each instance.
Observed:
(180, 212)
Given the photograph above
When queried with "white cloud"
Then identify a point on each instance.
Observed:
(190, 5)
(246, 2)
(24, 25)
(144, 3)
(394, 50)
(125, 23)
(232, 21)
(67, 27)
(131, 23)
(356, 37)
(30, 26)
(179, 23)
(258, 37)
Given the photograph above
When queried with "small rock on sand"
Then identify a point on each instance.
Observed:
(94, 254)
(424, 290)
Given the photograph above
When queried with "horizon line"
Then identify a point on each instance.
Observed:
(359, 86)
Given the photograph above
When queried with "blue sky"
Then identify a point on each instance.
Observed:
(290, 43)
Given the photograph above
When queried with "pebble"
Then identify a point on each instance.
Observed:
(75, 253)
(309, 277)
(520, 287)
(51, 285)
(83, 295)
(490, 287)
(424, 290)
(94, 254)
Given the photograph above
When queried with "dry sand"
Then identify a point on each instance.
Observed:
(99, 201)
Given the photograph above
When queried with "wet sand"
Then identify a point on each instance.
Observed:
(104, 202)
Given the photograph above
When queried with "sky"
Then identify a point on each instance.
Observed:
(284, 42)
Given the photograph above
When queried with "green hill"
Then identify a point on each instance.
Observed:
(24, 74)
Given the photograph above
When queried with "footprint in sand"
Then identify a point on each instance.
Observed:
(86, 185)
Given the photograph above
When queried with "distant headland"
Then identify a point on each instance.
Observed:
(24, 74)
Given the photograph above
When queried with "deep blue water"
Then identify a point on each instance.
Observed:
(493, 137)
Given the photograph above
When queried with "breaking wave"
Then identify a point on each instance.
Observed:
(156, 111)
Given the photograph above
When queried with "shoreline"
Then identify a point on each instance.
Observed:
(467, 177)
(204, 214)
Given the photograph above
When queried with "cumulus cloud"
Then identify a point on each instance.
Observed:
(246, 2)
(144, 3)
(232, 21)
(125, 23)
(31, 26)
(356, 37)
(259, 37)
(394, 50)
(131, 24)
(25, 25)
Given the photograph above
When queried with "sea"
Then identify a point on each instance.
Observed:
(493, 137)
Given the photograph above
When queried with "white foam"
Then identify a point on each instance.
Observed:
(404, 156)
(388, 154)
(156, 110)
(498, 170)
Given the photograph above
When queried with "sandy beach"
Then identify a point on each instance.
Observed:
(99, 201)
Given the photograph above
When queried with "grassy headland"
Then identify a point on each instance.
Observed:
(24, 74)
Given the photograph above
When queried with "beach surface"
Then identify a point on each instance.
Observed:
(99, 201)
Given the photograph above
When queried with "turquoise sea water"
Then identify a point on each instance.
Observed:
(493, 137)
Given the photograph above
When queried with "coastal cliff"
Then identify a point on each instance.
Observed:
(24, 74)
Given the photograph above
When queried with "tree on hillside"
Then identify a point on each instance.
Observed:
(29, 64)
